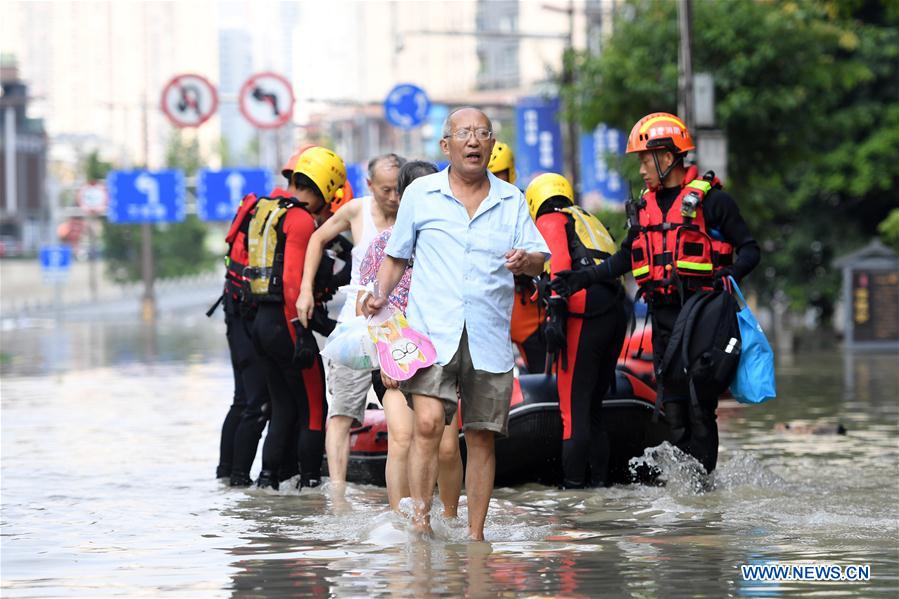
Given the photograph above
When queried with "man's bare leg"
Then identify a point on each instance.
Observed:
(400, 421)
(337, 446)
(481, 462)
(449, 477)
(429, 416)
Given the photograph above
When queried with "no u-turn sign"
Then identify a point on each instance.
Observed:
(189, 100)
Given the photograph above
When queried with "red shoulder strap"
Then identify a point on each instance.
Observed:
(246, 206)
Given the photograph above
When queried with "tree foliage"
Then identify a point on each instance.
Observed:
(178, 248)
(807, 93)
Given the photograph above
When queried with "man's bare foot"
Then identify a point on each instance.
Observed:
(475, 535)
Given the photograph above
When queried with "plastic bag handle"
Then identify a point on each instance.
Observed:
(741, 301)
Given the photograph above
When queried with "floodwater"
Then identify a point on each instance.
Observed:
(109, 447)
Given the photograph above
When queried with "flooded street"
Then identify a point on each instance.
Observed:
(110, 435)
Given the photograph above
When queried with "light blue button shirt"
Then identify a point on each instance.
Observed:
(460, 278)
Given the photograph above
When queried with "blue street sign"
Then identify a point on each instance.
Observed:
(539, 147)
(605, 185)
(56, 260)
(220, 192)
(357, 176)
(436, 115)
(145, 196)
(406, 106)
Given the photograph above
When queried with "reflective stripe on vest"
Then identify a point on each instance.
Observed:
(700, 266)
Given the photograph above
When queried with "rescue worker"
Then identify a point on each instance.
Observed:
(249, 412)
(584, 334)
(527, 317)
(683, 231)
(278, 236)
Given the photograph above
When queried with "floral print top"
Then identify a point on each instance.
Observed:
(368, 270)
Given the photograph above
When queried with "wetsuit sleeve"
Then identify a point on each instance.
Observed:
(298, 228)
(723, 214)
(619, 263)
(552, 228)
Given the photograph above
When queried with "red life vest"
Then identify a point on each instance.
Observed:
(676, 251)
(238, 256)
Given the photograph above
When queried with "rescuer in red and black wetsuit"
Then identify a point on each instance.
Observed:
(278, 235)
(250, 409)
(683, 232)
(584, 333)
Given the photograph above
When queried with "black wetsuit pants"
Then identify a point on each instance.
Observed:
(251, 408)
(593, 345)
(298, 402)
(533, 350)
(694, 433)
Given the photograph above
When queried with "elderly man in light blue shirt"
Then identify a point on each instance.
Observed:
(470, 233)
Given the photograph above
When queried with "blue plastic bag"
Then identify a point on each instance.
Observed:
(754, 381)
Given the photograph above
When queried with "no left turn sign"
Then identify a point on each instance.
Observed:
(266, 100)
(189, 100)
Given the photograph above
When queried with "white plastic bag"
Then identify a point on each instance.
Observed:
(350, 345)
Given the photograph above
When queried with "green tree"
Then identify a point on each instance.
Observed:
(808, 96)
(178, 248)
(889, 229)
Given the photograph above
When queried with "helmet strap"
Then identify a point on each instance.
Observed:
(664, 174)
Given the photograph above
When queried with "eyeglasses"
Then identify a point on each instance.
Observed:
(480, 134)
(398, 353)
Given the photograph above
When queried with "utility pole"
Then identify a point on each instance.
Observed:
(568, 80)
(685, 62)
(148, 302)
(572, 123)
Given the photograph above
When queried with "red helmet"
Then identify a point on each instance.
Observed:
(287, 169)
(660, 131)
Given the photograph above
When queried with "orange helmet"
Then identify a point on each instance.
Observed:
(660, 131)
(343, 196)
(287, 169)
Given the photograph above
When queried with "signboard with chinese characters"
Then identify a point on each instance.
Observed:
(539, 147)
(600, 184)
(875, 305)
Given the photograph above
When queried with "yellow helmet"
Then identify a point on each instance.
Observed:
(544, 187)
(501, 159)
(325, 168)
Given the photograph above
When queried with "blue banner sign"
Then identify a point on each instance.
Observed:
(599, 183)
(539, 148)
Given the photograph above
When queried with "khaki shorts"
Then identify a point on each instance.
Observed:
(348, 389)
(484, 396)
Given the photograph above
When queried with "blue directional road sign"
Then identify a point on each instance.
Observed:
(406, 106)
(606, 184)
(56, 260)
(539, 138)
(220, 192)
(145, 196)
